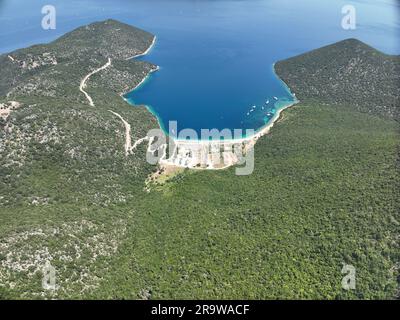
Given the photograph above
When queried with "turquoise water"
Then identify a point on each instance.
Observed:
(222, 95)
(215, 56)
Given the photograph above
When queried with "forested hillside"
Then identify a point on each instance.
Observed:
(347, 73)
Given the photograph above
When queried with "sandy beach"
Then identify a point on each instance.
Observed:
(215, 155)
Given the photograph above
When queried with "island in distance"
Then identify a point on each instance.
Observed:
(324, 190)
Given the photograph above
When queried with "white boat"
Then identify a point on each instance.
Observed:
(275, 98)
(262, 108)
(267, 102)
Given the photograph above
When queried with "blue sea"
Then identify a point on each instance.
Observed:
(216, 56)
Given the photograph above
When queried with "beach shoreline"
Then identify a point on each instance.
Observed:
(214, 154)
(148, 74)
(259, 133)
(145, 78)
(206, 154)
(145, 52)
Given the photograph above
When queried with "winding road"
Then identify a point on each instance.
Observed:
(86, 78)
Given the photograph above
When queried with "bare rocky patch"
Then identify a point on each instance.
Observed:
(76, 250)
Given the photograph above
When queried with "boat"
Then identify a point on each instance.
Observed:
(275, 98)
(267, 102)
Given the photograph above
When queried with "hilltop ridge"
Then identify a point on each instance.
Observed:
(348, 72)
(54, 69)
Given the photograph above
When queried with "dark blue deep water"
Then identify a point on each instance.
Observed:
(216, 57)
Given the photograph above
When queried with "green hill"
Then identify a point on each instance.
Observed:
(348, 72)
